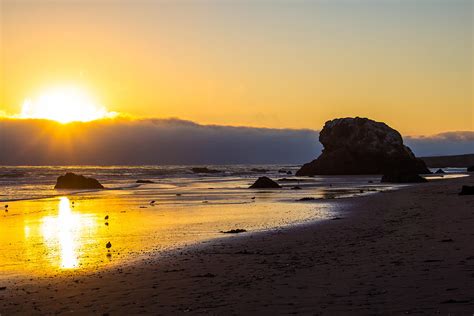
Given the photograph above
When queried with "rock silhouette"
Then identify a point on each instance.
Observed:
(235, 231)
(265, 183)
(204, 170)
(467, 190)
(307, 199)
(75, 181)
(362, 146)
(144, 181)
(259, 170)
(400, 177)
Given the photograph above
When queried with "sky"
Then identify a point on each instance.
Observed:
(275, 64)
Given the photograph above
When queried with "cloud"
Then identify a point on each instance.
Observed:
(173, 141)
(449, 143)
(150, 141)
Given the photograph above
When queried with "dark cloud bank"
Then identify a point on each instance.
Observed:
(172, 141)
(450, 143)
(150, 142)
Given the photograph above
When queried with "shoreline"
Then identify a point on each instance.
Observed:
(398, 251)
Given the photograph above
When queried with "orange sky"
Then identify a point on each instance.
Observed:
(280, 64)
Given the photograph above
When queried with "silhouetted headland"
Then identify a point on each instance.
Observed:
(455, 161)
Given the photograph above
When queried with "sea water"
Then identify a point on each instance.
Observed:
(46, 231)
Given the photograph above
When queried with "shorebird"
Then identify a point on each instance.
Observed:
(106, 217)
(108, 245)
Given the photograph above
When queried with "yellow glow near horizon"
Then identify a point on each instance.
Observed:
(64, 105)
(289, 65)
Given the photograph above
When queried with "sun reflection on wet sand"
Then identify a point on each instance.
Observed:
(62, 234)
(44, 237)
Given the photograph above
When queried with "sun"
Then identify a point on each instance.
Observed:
(64, 105)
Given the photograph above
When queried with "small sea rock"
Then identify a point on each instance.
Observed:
(467, 190)
(144, 181)
(234, 231)
(265, 183)
(307, 199)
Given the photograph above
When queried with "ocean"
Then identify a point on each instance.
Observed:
(34, 182)
(44, 231)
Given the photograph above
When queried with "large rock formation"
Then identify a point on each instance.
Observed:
(75, 181)
(362, 146)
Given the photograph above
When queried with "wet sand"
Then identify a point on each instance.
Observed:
(53, 236)
(400, 252)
